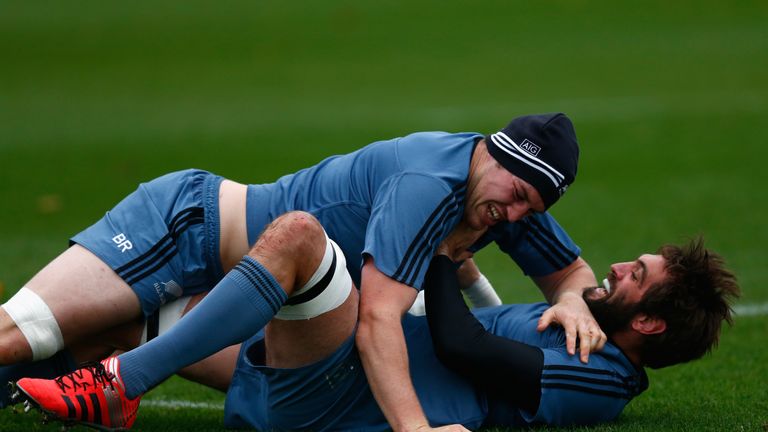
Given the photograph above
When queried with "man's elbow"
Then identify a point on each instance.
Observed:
(371, 322)
(363, 336)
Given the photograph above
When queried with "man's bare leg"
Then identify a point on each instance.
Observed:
(83, 294)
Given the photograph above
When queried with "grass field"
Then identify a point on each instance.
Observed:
(670, 101)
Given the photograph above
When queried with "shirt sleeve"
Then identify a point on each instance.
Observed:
(573, 393)
(504, 368)
(537, 243)
(410, 216)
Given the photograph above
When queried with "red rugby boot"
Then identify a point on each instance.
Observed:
(92, 396)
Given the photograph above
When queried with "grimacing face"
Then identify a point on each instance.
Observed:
(495, 195)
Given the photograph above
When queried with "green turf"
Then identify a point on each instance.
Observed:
(669, 101)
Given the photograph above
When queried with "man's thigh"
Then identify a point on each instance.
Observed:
(84, 294)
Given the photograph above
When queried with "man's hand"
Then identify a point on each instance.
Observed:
(448, 428)
(572, 313)
(563, 289)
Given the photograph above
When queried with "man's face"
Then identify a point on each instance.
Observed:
(614, 308)
(495, 195)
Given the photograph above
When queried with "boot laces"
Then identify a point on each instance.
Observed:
(99, 377)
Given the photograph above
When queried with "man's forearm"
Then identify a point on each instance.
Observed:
(575, 283)
(384, 355)
(570, 280)
(381, 344)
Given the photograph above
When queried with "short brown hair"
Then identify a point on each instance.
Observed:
(694, 299)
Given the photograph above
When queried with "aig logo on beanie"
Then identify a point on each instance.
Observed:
(540, 149)
(530, 147)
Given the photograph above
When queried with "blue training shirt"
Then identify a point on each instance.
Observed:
(396, 200)
(572, 393)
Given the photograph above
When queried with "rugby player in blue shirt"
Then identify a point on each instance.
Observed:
(387, 206)
(496, 370)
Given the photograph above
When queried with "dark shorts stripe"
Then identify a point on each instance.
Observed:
(589, 390)
(192, 211)
(584, 370)
(145, 256)
(163, 251)
(166, 244)
(169, 253)
(603, 382)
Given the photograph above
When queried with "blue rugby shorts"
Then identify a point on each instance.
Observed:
(331, 394)
(162, 239)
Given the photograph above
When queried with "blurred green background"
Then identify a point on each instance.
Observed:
(669, 100)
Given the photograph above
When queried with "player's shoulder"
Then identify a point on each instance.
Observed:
(608, 370)
(428, 139)
(442, 154)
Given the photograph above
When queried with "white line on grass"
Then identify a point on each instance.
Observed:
(179, 404)
(755, 309)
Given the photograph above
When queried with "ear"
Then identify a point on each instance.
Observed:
(648, 325)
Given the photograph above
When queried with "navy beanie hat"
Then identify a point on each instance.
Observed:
(540, 149)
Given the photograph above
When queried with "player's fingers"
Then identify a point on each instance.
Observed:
(585, 343)
(598, 337)
(544, 321)
(594, 340)
(601, 340)
(570, 338)
(450, 428)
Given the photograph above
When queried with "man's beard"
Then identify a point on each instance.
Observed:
(611, 312)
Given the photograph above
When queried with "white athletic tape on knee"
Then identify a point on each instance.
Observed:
(36, 322)
(169, 314)
(331, 297)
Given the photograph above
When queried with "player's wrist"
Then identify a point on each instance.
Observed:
(569, 295)
(481, 293)
(414, 425)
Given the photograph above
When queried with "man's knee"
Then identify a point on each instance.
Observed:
(326, 289)
(26, 316)
(296, 233)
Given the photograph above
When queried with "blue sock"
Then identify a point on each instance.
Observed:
(235, 309)
(59, 364)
